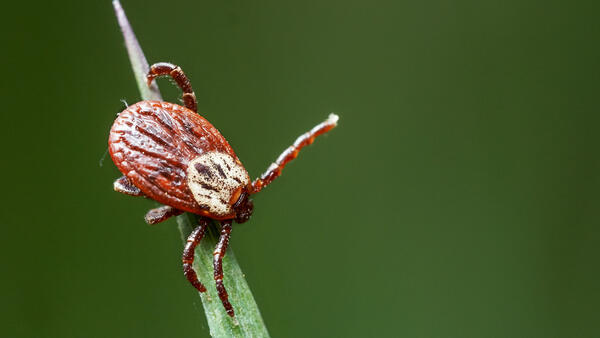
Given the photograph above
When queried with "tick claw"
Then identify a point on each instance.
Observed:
(149, 79)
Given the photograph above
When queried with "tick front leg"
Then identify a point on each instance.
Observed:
(160, 214)
(188, 253)
(124, 186)
(291, 153)
(218, 255)
(169, 69)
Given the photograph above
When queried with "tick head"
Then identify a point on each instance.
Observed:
(243, 207)
(219, 184)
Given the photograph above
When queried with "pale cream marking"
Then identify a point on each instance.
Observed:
(212, 187)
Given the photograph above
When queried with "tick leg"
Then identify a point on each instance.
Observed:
(160, 214)
(188, 253)
(218, 255)
(165, 68)
(123, 185)
(290, 153)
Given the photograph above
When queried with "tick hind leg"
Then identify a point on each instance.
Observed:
(292, 151)
(188, 253)
(124, 186)
(153, 216)
(169, 69)
(160, 214)
(218, 255)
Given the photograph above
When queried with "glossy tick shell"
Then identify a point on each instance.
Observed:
(174, 156)
(153, 143)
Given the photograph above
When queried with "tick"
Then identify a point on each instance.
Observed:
(174, 156)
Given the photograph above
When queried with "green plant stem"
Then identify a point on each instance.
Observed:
(248, 321)
(139, 64)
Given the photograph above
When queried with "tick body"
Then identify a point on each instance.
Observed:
(174, 156)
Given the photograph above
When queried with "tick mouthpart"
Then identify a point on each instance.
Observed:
(243, 207)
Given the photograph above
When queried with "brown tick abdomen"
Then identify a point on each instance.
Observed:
(152, 142)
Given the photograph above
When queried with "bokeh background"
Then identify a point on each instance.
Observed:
(458, 197)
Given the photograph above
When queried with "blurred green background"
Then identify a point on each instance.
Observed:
(457, 198)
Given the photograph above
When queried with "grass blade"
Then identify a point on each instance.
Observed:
(136, 56)
(248, 321)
